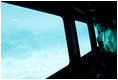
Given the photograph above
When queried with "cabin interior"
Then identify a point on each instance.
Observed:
(91, 65)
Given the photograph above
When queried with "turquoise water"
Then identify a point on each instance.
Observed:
(83, 37)
(33, 43)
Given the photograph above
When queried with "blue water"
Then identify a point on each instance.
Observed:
(33, 43)
(83, 37)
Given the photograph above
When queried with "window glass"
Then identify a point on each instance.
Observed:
(96, 33)
(33, 43)
(83, 37)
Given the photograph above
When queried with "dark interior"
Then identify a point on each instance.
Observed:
(94, 64)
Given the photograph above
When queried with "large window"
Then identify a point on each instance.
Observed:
(33, 43)
(83, 37)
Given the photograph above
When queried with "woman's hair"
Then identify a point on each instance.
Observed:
(110, 39)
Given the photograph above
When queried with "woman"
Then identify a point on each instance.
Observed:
(109, 37)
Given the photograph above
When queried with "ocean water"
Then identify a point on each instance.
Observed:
(33, 43)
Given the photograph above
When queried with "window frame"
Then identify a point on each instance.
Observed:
(75, 53)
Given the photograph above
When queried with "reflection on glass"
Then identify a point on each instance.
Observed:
(83, 37)
(33, 43)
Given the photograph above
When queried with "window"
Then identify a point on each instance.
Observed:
(33, 43)
(83, 37)
(96, 34)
